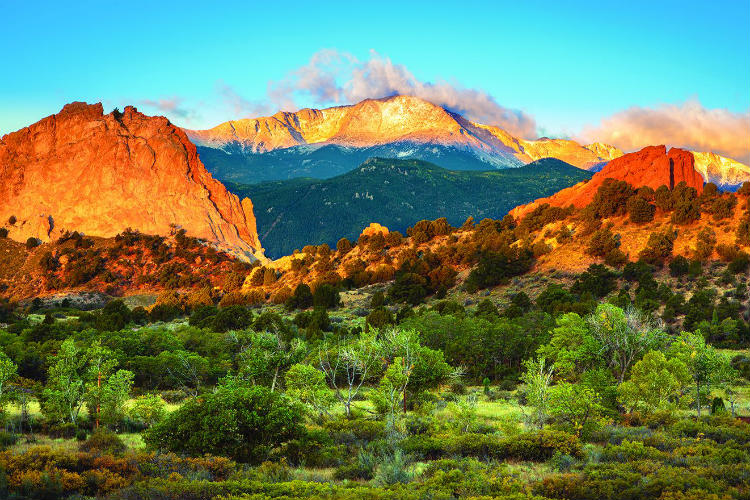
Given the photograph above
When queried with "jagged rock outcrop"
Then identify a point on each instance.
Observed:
(652, 166)
(82, 170)
(375, 228)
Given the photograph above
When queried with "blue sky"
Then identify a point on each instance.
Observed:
(566, 64)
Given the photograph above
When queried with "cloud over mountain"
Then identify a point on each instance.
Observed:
(688, 125)
(335, 77)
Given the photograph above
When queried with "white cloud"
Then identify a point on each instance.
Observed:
(333, 77)
(173, 106)
(688, 125)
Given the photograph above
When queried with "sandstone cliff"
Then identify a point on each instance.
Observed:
(652, 166)
(99, 174)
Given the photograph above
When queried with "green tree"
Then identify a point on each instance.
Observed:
(656, 383)
(538, 378)
(391, 390)
(114, 395)
(243, 423)
(267, 357)
(624, 336)
(347, 364)
(308, 385)
(63, 394)
(8, 371)
(148, 410)
(704, 363)
(100, 364)
(575, 405)
(572, 348)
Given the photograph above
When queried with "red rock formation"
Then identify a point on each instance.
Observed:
(100, 174)
(375, 228)
(651, 166)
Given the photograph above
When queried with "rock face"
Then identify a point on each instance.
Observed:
(99, 174)
(652, 166)
(375, 228)
(397, 119)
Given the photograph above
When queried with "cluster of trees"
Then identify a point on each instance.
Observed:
(254, 381)
(621, 359)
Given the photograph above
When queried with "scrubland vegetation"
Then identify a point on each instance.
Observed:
(441, 364)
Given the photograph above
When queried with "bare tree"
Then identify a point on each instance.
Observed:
(350, 361)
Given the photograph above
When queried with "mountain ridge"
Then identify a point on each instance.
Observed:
(373, 122)
(395, 193)
(278, 146)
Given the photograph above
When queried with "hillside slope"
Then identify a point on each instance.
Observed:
(395, 193)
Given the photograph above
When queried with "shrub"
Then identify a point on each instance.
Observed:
(7, 439)
(301, 299)
(663, 198)
(743, 231)
(232, 318)
(686, 205)
(538, 446)
(408, 287)
(611, 198)
(658, 248)
(32, 243)
(104, 442)
(679, 266)
(3, 232)
(727, 253)
(603, 242)
(740, 263)
(203, 316)
(148, 410)
(722, 208)
(496, 267)
(234, 298)
(326, 296)
(705, 243)
(244, 423)
(344, 246)
(640, 210)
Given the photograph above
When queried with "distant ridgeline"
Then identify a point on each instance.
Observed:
(395, 193)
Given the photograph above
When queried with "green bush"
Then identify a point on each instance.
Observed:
(242, 423)
(536, 446)
(104, 442)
